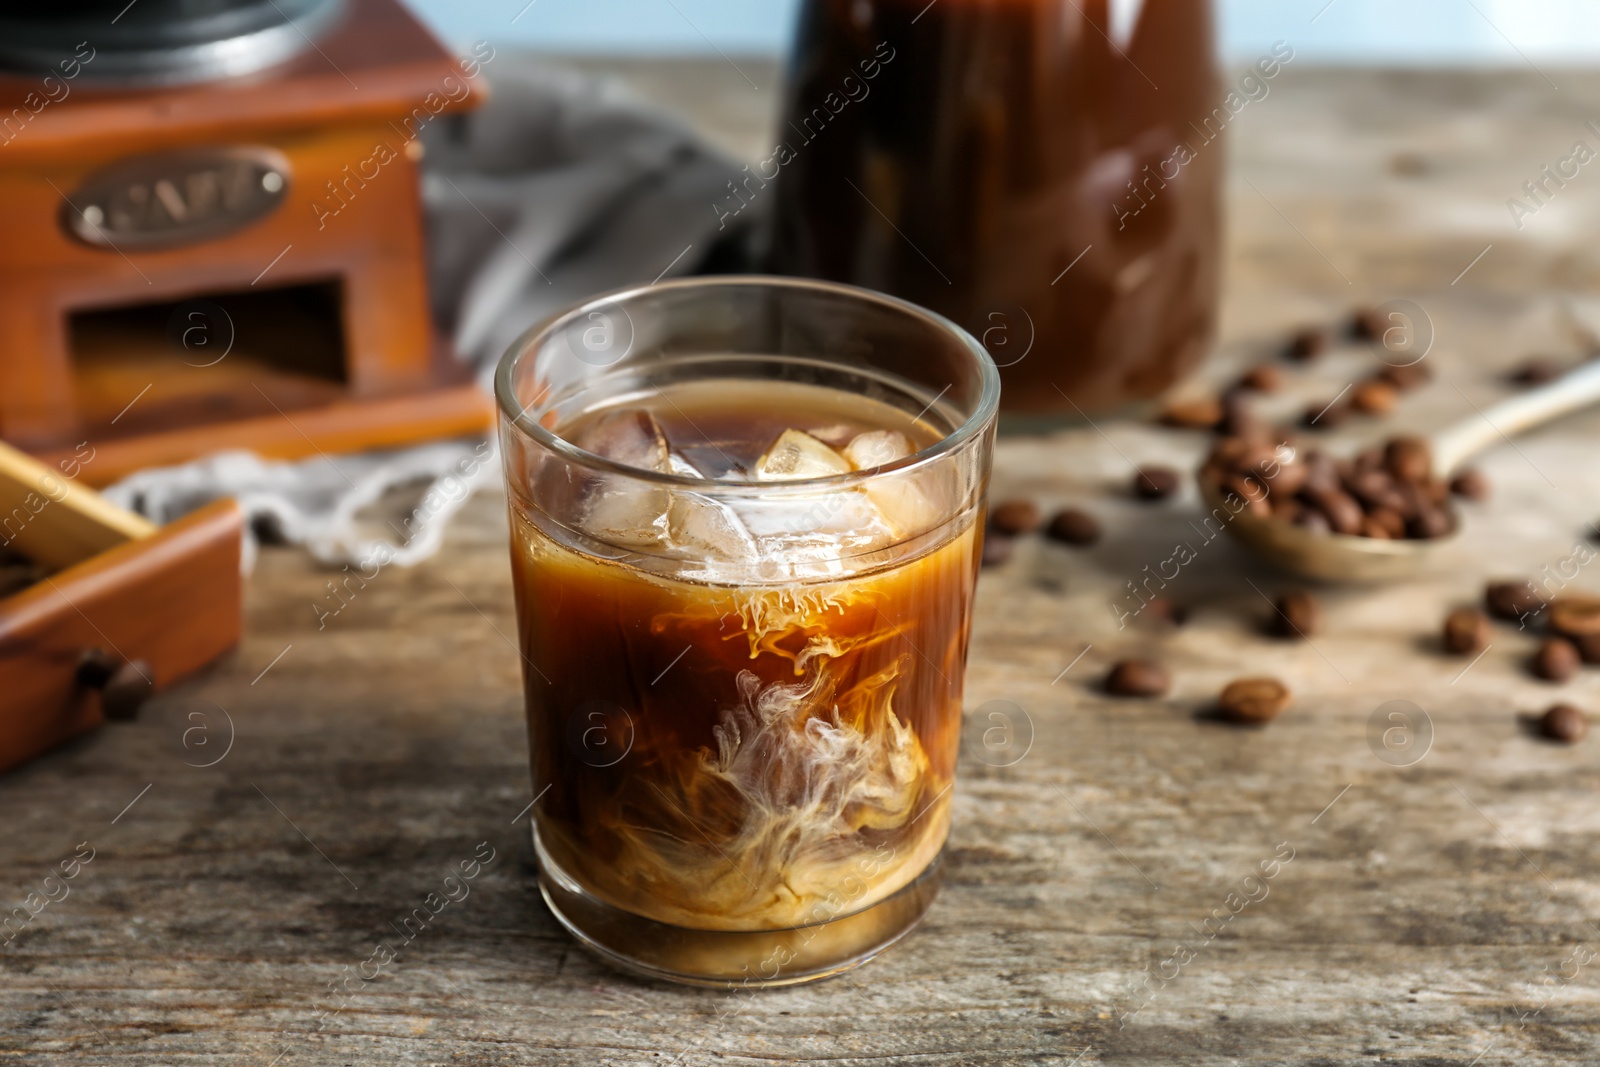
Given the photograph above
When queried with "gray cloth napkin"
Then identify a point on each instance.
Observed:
(560, 187)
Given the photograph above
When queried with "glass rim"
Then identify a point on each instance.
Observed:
(515, 413)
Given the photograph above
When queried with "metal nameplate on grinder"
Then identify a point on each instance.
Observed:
(167, 199)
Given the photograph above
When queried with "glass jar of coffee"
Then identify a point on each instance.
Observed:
(1044, 172)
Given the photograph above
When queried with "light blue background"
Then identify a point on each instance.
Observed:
(1424, 32)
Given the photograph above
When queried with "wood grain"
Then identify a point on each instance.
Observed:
(1430, 914)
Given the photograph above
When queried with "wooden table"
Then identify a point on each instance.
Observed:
(1444, 912)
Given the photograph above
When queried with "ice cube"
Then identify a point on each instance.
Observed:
(877, 448)
(632, 438)
(796, 454)
(836, 435)
(623, 511)
(618, 509)
(704, 527)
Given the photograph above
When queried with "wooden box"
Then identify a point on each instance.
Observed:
(124, 609)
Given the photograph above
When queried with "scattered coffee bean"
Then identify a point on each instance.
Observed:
(1298, 615)
(1325, 415)
(1074, 526)
(1588, 647)
(1512, 599)
(997, 548)
(1138, 678)
(1556, 661)
(1575, 616)
(1537, 370)
(1155, 483)
(1471, 484)
(1307, 344)
(1253, 700)
(1165, 610)
(1373, 397)
(1013, 518)
(1200, 413)
(1367, 324)
(1406, 378)
(1466, 631)
(1263, 378)
(1564, 723)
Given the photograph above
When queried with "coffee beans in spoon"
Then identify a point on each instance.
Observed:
(1388, 491)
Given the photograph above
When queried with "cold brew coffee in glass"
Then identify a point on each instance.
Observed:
(745, 535)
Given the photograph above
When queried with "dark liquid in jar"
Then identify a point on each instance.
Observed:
(1045, 178)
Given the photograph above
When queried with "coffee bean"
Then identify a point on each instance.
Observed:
(1470, 483)
(1325, 416)
(1367, 324)
(1512, 599)
(1138, 678)
(1253, 700)
(1376, 530)
(1298, 615)
(1430, 523)
(1368, 459)
(1239, 418)
(1390, 522)
(1283, 479)
(1013, 518)
(1537, 370)
(1254, 495)
(1375, 489)
(1321, 471)
(1410, 459)
(997, 548)
(1466, 631)
(1556, 661)
(1564, 723)
(1263, 378)
(1074, 526)
(1155, 483)
(1165, 610)
(1406, 378)
(1588, 647)
(1200, 413)
(1343, 513)
(1307, 344)
(1575, 616)
(1373, 397)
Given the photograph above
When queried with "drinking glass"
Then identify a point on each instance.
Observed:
(743, 676)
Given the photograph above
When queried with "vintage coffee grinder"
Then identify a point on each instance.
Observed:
(213, 234)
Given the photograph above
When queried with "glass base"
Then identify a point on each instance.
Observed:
(725, 959)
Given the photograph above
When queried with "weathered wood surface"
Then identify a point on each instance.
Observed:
(1443, 913)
